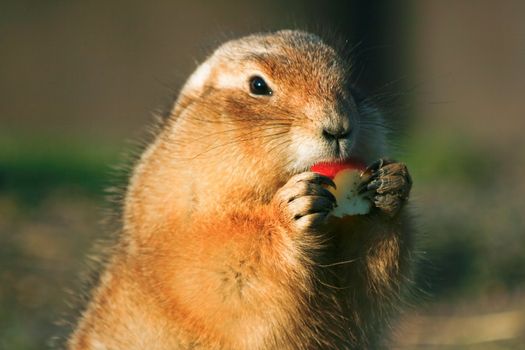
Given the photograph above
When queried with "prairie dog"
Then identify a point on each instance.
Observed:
(227, 241)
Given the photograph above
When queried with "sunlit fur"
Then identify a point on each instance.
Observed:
(205, 260)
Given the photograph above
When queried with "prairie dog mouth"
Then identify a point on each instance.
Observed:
(305, 151)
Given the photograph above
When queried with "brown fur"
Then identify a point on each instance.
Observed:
(209, 257)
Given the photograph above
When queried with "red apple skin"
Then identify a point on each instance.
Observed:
(330, 169)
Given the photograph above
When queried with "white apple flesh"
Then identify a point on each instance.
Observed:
(349, 201)
(347, 177)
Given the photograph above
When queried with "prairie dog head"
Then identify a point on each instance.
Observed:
(289, 91)
(259, 110)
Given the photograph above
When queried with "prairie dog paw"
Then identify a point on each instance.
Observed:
(304, 201)
(388, 186)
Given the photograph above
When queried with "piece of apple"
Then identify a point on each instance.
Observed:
(347, 177)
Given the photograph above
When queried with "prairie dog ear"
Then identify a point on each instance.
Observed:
(222, 78)
(192, 88)
(197, 80)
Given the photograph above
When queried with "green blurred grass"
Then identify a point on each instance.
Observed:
(30, 167)
(471, 219)
(444, 157)
(52, 192)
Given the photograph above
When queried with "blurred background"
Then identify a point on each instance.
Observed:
(79, 79)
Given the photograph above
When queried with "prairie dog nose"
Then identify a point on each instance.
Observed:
(336, 132)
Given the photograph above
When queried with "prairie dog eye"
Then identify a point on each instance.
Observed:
(259, 87)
